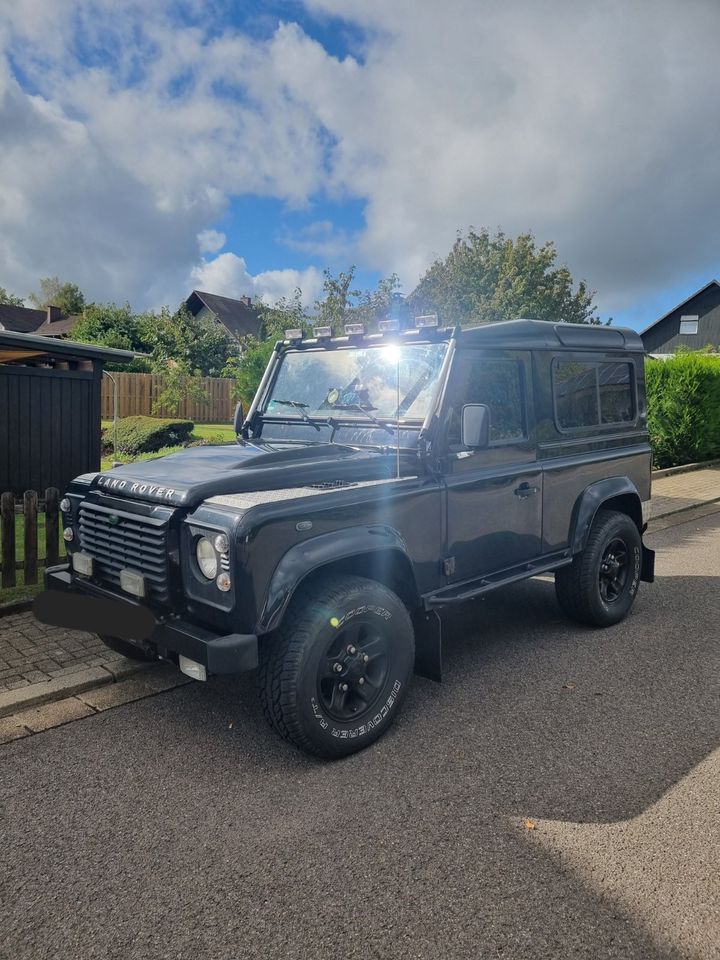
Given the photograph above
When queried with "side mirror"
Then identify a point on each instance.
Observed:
(239, 418)
(475, 426)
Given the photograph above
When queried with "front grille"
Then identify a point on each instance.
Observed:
(129, 542)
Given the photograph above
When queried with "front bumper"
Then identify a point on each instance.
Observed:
(79, 605)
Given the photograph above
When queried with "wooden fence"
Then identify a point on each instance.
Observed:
(138, 392)
(30, 509)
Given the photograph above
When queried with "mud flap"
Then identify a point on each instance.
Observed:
(647, 572)
(428, 644)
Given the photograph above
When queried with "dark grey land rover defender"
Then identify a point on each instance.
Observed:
(376, 480)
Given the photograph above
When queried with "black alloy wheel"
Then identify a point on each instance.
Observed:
(354, 669)
(614, 570)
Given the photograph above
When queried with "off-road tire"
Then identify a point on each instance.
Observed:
(128, 650)
(578, 586)
(295, 656)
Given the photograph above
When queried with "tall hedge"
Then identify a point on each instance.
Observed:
(683, 398)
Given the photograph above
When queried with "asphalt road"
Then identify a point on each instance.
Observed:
(179, 826)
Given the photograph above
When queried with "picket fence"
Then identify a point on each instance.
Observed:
(30, 508)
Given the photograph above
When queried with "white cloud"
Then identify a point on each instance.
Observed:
(210, 241)
(590, 124)
(228, 276)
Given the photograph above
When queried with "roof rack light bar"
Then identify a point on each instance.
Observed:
(294, 334)
(428, 320)
(388, 326)
(322, 333)
(355, 329)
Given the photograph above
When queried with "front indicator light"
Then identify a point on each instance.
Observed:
(68, 534)
(223, 582)
(206, 558)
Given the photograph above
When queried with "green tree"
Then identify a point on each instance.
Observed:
(67, 296)
(374, 305)
(179, 382)
(203, 345)
(332, 309)
(113, 326)
(10, 298)
(486, 278)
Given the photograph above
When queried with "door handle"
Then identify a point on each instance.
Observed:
(525, 490)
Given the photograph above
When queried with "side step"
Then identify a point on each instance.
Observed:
(460, 592)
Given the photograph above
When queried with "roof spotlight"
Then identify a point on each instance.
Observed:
(322, 333)
(388, 326)
(429, 320)
(295, 334)
(354, 329)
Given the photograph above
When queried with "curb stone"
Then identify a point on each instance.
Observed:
(684, 468)
(150, 681)
(61, 687)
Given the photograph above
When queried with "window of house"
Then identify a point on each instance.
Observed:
(591, 394)
(496, 383)
(688, 325)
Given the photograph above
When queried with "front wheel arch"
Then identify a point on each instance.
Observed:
(377, 553)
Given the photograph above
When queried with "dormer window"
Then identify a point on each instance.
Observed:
(688, 325)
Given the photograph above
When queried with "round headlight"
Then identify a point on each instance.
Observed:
(221, 543)
(65, 505)
(206, 558)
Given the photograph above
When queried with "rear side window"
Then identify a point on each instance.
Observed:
(496, 383)
(592, 394)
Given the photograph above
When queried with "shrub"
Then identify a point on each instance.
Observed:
(147, 434)
(683, 398)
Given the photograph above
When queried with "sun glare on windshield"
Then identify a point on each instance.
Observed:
(351, 381)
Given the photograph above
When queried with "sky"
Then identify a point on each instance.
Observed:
(151, 147)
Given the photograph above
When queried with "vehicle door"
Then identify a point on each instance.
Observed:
(494, 494)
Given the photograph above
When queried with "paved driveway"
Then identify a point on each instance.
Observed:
(180, 827)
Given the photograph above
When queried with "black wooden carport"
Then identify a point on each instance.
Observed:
(49, 410)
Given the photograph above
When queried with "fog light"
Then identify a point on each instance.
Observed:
(223, 582)
(82, 563)
(132, 582)
(68, 534)
(191, 668)
(65, 505)
(221, 543)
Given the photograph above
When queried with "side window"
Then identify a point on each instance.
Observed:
(592, 394)
(496, 383)
(616, 394)
(576, 397)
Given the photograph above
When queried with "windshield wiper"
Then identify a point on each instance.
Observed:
(298, 406)
(370, 416)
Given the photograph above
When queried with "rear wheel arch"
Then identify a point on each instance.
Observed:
(616, 493)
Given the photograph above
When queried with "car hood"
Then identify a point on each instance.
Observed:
(191, 476)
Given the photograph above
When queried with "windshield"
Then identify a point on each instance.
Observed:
(349, 382)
